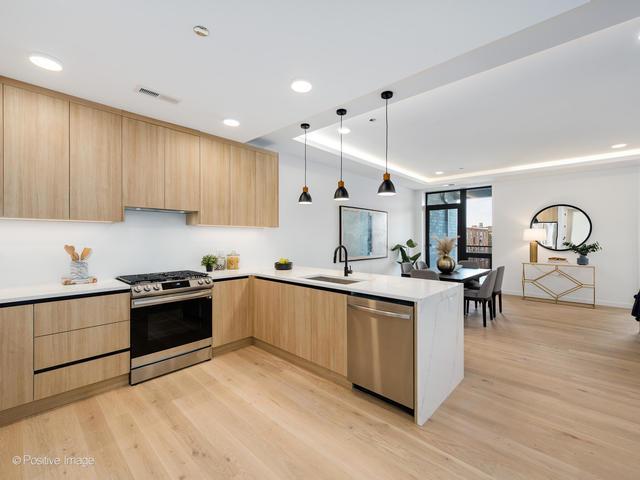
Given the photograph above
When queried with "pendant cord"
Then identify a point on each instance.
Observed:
(305, 157)
(386, 135)
(341, 147)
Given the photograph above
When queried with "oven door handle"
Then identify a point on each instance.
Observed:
(160, 299)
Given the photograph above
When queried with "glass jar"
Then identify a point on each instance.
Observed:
(221, 263)
(233, 261)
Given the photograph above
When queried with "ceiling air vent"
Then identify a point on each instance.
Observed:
(154, 94)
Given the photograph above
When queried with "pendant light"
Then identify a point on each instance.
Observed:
(341, 194)
(305, 198)
(386, 188)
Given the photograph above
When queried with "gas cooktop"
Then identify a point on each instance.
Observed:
(144, 278)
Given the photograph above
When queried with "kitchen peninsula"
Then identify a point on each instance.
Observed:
(288, 313)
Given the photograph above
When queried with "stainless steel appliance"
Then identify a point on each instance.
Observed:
(171, 314)
(380, 348)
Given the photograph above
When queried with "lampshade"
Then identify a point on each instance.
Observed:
(534, 234)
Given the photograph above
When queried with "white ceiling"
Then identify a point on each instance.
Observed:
(574, 100)
(256, 48)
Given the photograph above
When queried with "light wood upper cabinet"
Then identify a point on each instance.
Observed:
(96, 164)
(36, 155)
(232, 307)
(16, 356)
(267, 190)
(181, 171)
(243, 186)
(215, 193)
(143, 146)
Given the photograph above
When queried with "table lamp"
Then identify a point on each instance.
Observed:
(534, 235)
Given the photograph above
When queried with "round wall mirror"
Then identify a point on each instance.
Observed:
(562, 223)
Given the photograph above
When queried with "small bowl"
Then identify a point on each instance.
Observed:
(283, 266)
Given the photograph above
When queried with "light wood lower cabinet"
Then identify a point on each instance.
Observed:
(306, 322)
(16, 356)
(36, 155)
(75, 376)
(64, 315)
(96, 164)
(61, 348)
(232, 319)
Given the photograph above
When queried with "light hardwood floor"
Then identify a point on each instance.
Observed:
(549, 392)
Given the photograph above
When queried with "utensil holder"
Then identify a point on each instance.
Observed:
(79, 270)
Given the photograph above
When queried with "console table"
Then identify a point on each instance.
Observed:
(560, 283)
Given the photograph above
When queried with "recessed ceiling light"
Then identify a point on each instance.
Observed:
(448, 185)
(201, 31)
(439, 172)
(301, 86)
(619, 145)
(372, 119)
(344, 130)
(46, 62)
(230, 122)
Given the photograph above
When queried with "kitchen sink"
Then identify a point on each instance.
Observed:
(326, 278)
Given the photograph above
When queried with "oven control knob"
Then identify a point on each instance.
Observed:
(156, 287)
(200, 282)
(137, 289)
(207, 281)
(147, 288)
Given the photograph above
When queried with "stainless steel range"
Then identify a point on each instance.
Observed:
(171, 314)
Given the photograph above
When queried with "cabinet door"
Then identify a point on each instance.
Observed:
(267, 311)
(215, 196)
(143, 164)
(1, 152)
(36, 155)
(243, 186)
(16, 356)
(266, 190)
(231, 311)
(181, 171)
(96, 164)
(329, 330)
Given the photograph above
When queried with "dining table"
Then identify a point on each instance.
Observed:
(462, 275)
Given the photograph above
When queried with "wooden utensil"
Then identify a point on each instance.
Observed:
(71, 250)
(86, 251)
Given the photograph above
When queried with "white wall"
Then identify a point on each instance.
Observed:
(31, 251)
(609, 196)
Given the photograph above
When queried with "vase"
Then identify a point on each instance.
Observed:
(583, 260)
(446, 264)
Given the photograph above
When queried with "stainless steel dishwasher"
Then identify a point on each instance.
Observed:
(380, 348)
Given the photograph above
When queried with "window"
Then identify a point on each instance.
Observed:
(466, 214)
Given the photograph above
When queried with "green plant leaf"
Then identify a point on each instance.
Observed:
(411, 244)
(415, 257)
(397, 247)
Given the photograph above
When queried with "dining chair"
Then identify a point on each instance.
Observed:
(497, 289)
(425, 274)
(420, 265)
(484, 295)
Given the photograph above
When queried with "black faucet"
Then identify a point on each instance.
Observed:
(347, 270)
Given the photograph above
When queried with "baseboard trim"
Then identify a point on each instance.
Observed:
(230, 347)
(303, 363)
(39, 406)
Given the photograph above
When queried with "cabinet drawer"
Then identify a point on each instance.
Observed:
(61, 348)
(75, 376)
(65, 315)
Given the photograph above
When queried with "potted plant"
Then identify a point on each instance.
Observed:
(208, 261)
(405, 254)
(444, 247)
(583, 250)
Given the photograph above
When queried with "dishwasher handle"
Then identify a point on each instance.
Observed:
(404, 316)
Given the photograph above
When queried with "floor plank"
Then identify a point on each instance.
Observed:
(549, 392)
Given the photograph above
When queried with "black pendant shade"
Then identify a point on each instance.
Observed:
(341, 194)
(305, 197)
(386, 188)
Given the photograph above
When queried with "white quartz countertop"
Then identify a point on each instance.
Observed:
(390, 286)
(55, 290)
